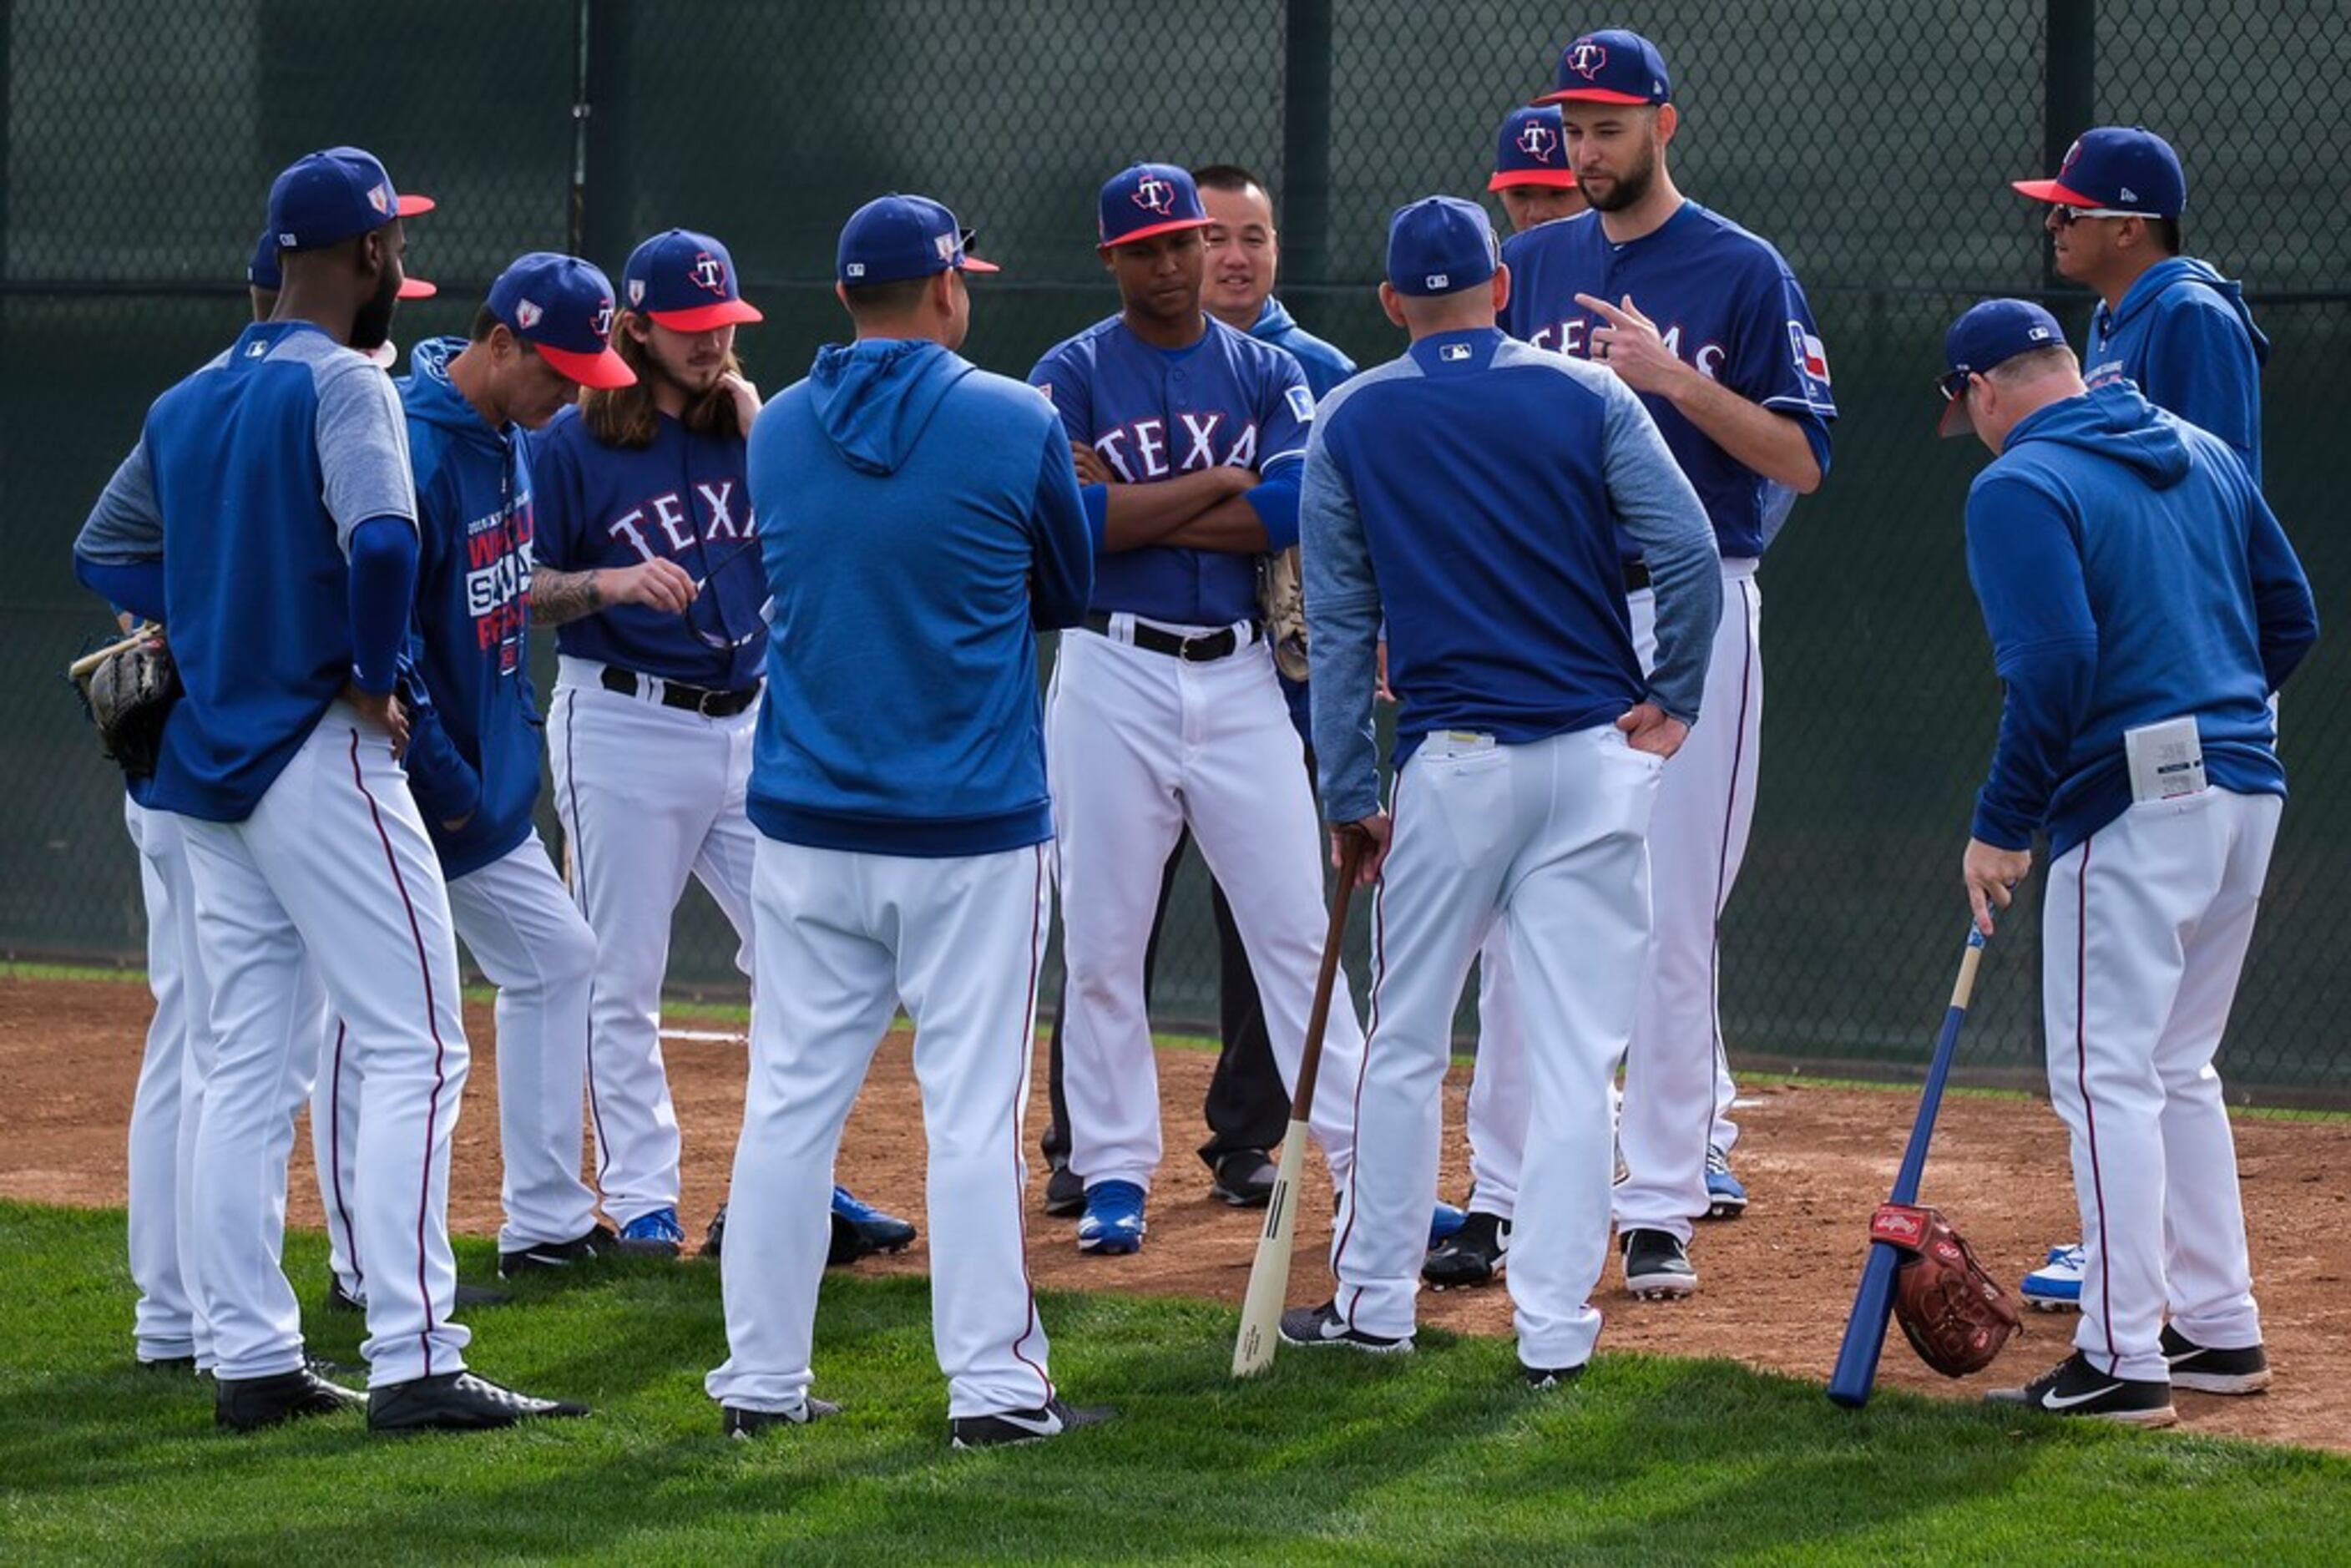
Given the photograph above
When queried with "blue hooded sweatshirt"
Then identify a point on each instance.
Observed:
(473, 753)
(2183, 333)
(2129, 572)
(919, 519)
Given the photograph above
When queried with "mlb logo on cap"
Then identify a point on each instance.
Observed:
(1532, 149)
(1986, 336)
(325, 198)
(895, 237)
(1610, 66)
(1440, 245)
(562, 307)
(2115, 170)
(686, 281)
(1147, 199)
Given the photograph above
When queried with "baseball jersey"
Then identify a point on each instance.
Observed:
(2129, 572)
(919, 521)
(475, 753)
(1726, 304)
(683, 499)
(2183, 333)
(1153, 413)
(1502, 588)
(249, 480)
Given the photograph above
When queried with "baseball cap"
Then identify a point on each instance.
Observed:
(562, 307)
(686, 281)
(1146, 199)
(323, 199)
(1612, 65)
(263, 271)
(1440, 245)
(892, 238)
(1532, 150)
(2118, 168)
(1990, 333)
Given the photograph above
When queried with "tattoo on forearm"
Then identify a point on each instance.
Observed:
(557, 597)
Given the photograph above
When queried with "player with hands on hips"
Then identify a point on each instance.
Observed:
(1529, 748)
(2142, 602)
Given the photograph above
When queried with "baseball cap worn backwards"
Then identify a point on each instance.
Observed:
(1613, 65)
(1440, 245)
(1532, 150)
(562, 307)
(1989, 334)
(2118, 171)
(1146, 199)
(686, 281)
(892, 238)
(325, 198)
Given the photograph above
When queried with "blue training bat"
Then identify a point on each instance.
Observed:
(1865, 1331)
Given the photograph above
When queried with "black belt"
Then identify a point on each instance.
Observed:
(1636, 575)
(675, 693)
(1199, 650)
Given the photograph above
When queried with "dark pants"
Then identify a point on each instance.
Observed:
(1246, 1106)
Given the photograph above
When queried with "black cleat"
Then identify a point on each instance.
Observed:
(714, 1239)
(2204, 1370)
(250, 1404)
(1471, 1255)
(2075, 1387)
(456, 1402)
(859, 1231)
(1541, 1377)
(1324, 1325)
(1065, 1193)
(182, 1365)
(556, 1255)
(746, 1425)
(1006, 1427)
(1244, 1179)
(1657, 1266)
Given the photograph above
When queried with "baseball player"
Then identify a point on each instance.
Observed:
(1529, 753)
(2169, 324)
(300, 834)
(899, 793)
(1738, 383)
(474, 752)
(646, 560)
(1532, 175)
(1164, 710)
(2142, 603)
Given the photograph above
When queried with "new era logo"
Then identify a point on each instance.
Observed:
(2129, 194)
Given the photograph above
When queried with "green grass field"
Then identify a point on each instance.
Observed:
(1437, 1456)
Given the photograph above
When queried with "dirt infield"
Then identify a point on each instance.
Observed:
(1776, 1284)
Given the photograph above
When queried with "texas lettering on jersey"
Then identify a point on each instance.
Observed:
(670, 517)
(1141, 449)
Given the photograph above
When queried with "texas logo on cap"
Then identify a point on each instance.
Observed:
(686, 281)
(1147, 199)
(1538, 142)
(1612, 65)
(1531, 148)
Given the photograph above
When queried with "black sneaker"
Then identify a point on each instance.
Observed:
(1470, 1256)
(178, 1365)
(2208, 1371)
(1065, 1193)
(249, 1404)
(1324, 1325)
(1047, 1420)
(2075, 1387)
(456, 1402)
(1541, 1377)
(1243, 1178)
(1657, 1266)
(746, 1425)
(714, 1239)
(547, 1257)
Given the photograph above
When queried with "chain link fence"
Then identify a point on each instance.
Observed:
(1872, 145)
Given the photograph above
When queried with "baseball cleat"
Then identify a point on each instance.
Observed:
(543, 1257)
(1657, 1266)
(1471, 1256)
(181, 1365)
(1725, 1195)
(859, 1231)
(1049, 1419)
(744, 1425)
(2075, 1387)
(1065, 1192)
(250, 1404)
(1324, 1325)
(1541, 1377)
(2205, 1370)
(1445, 1222)
(2056, 1285)
(456, 1402)
(1243, 1178)
(1114, 1224)
(655, 1235)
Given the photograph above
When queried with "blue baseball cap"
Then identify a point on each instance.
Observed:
(686, 281)
(1440, 245)
(1988, 334)
(2115, 170)
(1532, 150)
(1146, 199)
(892, 238)
(262, 271)
(1613, 65)
(325, 198)
(562, 307)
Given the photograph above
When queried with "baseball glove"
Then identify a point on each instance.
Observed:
(1281, 601)
(128, 689)
(1951, 1312)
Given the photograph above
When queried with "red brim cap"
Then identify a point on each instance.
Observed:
(1956, 419)
(409, 207)
(2050, 191)
(605, 370)
(1556, 179)
(973, 264)
(417, 288)
(1590, 95)
(1148, 230)
(703, 318)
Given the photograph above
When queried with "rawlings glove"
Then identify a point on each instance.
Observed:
(128, 689)
(1282, 602)
(1951, 1312)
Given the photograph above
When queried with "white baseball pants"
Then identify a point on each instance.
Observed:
(959, 941)
(648, 796)
(1138, 745)
(333, 862)
(1497, 1083)
(1550, 837)
(2144, 933)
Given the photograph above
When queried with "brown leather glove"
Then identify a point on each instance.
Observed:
(1955, 1316)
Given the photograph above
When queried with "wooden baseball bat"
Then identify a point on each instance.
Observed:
(97, 656)
(1872, 1304)
(1268, 1285)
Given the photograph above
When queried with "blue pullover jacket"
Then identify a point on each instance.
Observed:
(2184, 335)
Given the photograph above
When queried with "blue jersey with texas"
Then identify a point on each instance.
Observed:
(1724, 303)
(683, 499)
(1153, 414)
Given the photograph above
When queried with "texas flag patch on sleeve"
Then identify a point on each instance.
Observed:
(1811, 354)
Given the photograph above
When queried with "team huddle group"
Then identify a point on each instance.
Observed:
(797, 654)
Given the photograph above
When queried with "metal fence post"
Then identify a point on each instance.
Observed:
(601, 179)
(2068, 93)
(1306, 141)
